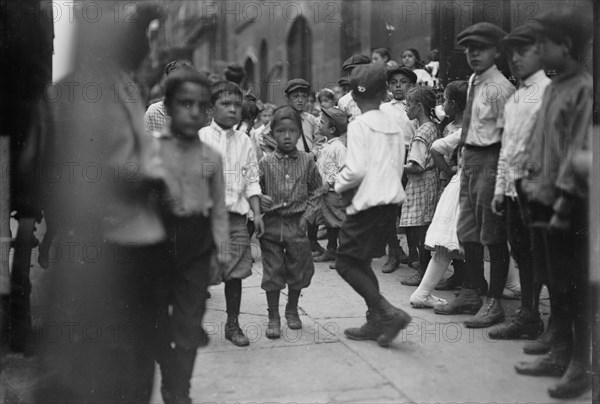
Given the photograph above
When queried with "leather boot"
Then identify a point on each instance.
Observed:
(489, 314)
(554, 363)
(370, 330)
(274, 326)
(234, 333)
(392, 264)
(292, 317)
(393, 320)
(527, 325)
(576, 381)
(544, 342)
(414, 280)
(467, 302)
(328, 255)
(452, 283)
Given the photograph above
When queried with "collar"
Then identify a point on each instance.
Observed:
(395, 101)
(293, 154)
(215, 126)
(486, 75)
(535, 78)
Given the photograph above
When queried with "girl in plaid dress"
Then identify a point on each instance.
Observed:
(421, 189)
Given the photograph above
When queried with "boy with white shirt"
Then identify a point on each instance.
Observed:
(520, 113)
(373, 174)
(400, 80)
(242, 192)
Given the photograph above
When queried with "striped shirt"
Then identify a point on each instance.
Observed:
(293, 182)
(155, 117)
(240, 167)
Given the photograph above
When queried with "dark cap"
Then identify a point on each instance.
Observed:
(523, 34)
(483, 32)
(296, 84)
(570, 22)
(338, 118)
(355, 60)
(412, 76)
(368, 80)
(344, 81)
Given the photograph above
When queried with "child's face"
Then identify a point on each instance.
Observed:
(525, 60)
(189, 110)
(377, 58)
(324, 129)
(297, 100)
(448, 105)
(481, 56)
(227, 110)
(552, 53)
(412, 108)
(286, 134)
(399, 84)
(327, 103)
(265, 116)
(409, 59)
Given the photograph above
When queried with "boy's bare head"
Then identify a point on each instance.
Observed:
(226, 102)
(481, 41)
(187, 97)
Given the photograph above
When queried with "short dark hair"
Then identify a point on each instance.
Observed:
(286, 112)
(384, 53)
(249, 108)
(223, 87)
(457, 92)
(177, 64)
(176, 79)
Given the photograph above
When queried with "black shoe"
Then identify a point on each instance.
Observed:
(524, 326)
(234, 333)
(393, 320)
(490, 313)
(554, 363)
(576, 381)
(467, 302)
(371, 330)
(391, 265)
(452, 283)
(274, 326)
(316, 249)
(543, 344)
(414, 280)
(327, 256)
(293, 318)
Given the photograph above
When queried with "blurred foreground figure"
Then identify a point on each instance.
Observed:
(109, 237)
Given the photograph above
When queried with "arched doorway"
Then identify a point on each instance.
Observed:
(299, 48)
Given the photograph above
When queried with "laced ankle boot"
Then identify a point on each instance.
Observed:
(371, 330)
(393, 320)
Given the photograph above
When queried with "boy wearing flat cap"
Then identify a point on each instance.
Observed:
(347, 103)
(333, 126)
(520, 112)
(373, 174)
(481, 136)
(399, 80)
(558, 193)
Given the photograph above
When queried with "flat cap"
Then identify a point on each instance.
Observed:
(338, 118)
(296, 84)
(355, 60)
(368, 80)
(482, 32)
(570, 22)
(523, 34)
(412, 76)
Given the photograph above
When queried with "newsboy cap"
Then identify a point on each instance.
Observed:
(368, 80)
(523, 34)
(412, 76)
(570, 22)
(483, 32)
(355, 60)
(296, 84)
(339, 119)
(344, 81)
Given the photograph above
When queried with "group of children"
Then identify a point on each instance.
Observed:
(496, 177)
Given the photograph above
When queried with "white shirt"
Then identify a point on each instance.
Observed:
(492, 90)
(240, 167)
(423, 77)
(396, 110)
(348, 105)
(374, 162)
(520, 114)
